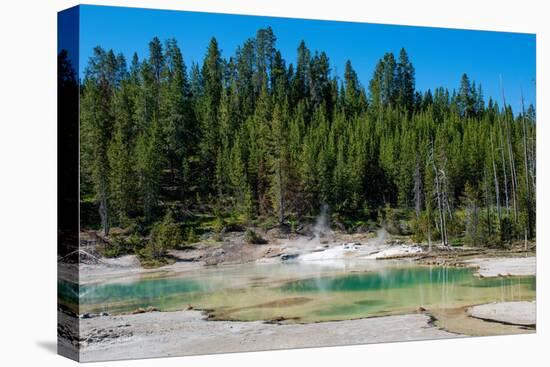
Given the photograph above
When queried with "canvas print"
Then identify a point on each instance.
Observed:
(232, 183)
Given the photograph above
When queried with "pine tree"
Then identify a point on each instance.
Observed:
(405, 81)
(212, 78)
(352, 91)
(279, 157)
(150, 161)
(301, 80)
(265, 54)
(97, 110)
(121, 154)
(465, 99)
(174, 112)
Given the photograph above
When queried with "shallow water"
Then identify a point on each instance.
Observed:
(304, 292)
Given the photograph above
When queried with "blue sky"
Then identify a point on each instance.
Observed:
(439, 55)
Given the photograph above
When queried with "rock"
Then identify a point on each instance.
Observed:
(281, 231)
(404, 227)
(305, 230)
(364, 228)
(233, 227)
(92, 315)
(144, 310)
(285, 257)
(352, 245)
(515, 313)
(206, 236)
(218, 252)
(253, 238)
(493, 267)
(339, 225)
(280, 319)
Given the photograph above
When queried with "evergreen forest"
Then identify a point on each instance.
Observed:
(173, 150)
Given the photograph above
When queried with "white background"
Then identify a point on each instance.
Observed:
(28, 181)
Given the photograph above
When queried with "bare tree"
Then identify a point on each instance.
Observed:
(513, 175)
(497, 190)
(501, 148)
(438, 176)
(417, 188)
(487, 202)
(528, 230)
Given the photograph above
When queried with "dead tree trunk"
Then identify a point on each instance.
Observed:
(528, 230)
(497, 193)
(501, 148)
(532, 157)
(417, 189)
(429, 221)
(104, 210)
(487, 202)
(445, 203)
(439, 198)
(281, 198)
(513, 176)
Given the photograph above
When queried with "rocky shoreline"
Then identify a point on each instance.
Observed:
(149, 333)
(188, 333)
(328, 246)
(508, 313)
(503, 267)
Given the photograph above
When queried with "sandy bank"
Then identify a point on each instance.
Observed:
(128, 267)
(332, 246)
(513, 313)
(494, 267)
(187, 333)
